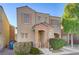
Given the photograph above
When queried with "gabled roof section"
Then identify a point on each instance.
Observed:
(26, 7)
(43, 23)
(54, 16)
(42, 13)
(32, 10)
(38, 12)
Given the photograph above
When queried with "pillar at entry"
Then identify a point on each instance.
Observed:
(36, 39)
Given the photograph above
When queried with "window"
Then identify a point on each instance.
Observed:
(45, 19)
(26, 35)
(56, 35)
(26, 18)
(39, 17)
(55, 22)
(22, 35)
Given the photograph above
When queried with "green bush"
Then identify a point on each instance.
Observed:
(22, 48)
(56, 43)
(35, 51)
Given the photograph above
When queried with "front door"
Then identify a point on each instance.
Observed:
(41, 39)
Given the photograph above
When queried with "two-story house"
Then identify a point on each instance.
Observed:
(36, 27)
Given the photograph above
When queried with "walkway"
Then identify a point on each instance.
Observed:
(45, 51)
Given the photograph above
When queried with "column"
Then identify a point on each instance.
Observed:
(36, 38)
(46, 40)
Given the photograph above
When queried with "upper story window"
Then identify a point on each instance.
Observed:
(22, 35)
(39, 17)
(26, 18)
(26, 35)
(45, 20)
(55, 22)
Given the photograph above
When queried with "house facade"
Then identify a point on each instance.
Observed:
(36, 27)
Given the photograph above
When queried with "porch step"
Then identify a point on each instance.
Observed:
(45, 51)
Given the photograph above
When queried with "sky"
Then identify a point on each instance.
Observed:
(54, 9)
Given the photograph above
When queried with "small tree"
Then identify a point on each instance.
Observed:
(70, 20)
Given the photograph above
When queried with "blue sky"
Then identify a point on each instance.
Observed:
(54, 9)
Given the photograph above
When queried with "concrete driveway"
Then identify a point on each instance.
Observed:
(7, 52)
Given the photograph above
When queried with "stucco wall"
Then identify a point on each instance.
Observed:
(5, 26)
(41, 17)
(56, 24)
(25, 27)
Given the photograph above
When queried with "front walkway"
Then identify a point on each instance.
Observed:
(46, 51)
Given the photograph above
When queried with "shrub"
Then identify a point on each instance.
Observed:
(56, 43)
(35, 51)
(22, 48)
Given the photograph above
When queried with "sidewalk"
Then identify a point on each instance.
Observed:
(63, 51)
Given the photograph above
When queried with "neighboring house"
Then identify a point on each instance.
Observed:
(67, 37)
(4, 28)
(36, 27)
(12, 32)
(15, 33)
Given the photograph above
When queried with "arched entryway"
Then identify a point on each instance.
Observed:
(41, 32)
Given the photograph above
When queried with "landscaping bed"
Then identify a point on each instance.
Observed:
(25, 48)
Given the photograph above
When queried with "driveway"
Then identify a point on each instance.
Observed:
(75, 53)
(7, 52)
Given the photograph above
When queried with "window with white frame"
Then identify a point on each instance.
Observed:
(22, 35)
(26, 18)
(26, 35)
(45, 20)
(39, 17)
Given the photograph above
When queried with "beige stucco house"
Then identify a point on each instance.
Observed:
(36, 27)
